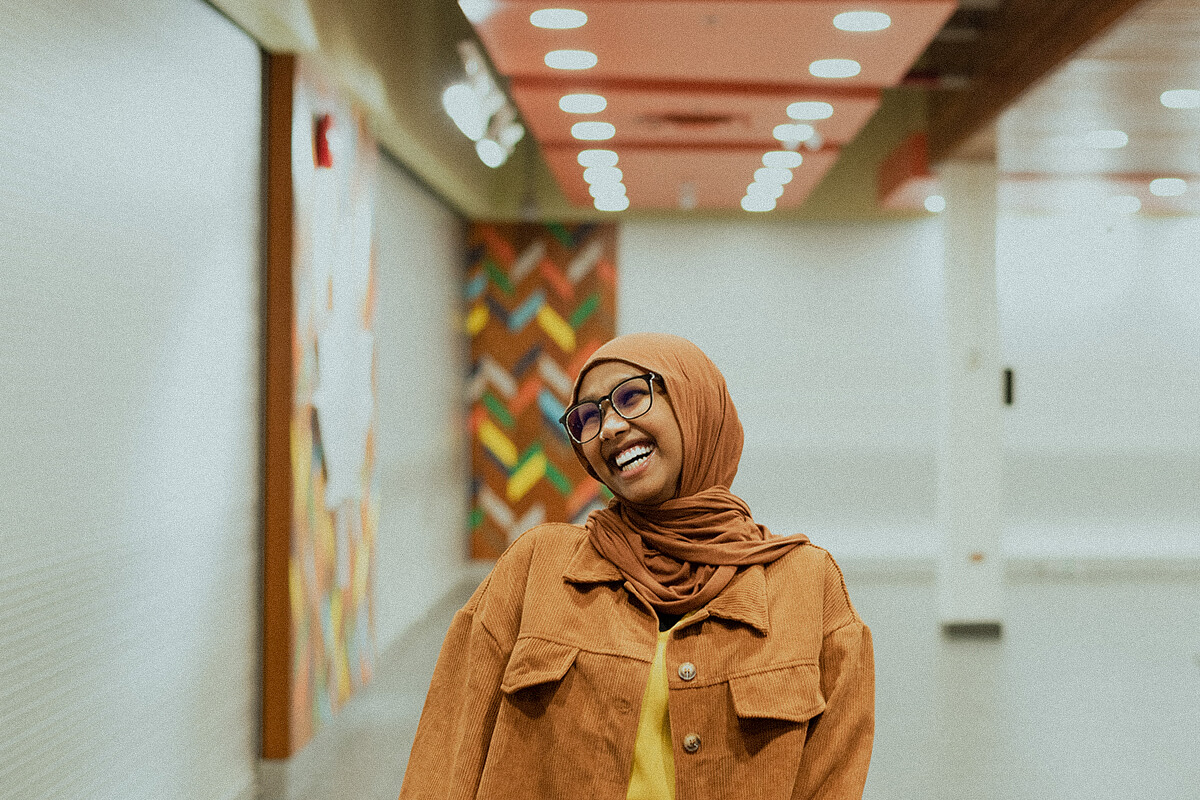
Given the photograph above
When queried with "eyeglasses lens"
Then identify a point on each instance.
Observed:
(632, 398)
(583, 423)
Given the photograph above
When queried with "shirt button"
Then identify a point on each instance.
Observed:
(691, 742)
(687, 670)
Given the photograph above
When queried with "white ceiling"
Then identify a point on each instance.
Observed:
(1113, 84)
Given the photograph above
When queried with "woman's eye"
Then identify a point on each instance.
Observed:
(586, 416)
(629, 396)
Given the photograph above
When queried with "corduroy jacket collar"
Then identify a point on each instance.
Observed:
(743, 600)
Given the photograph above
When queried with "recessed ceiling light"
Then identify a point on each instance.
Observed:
(593, 131)
(582, 103)
(597, 158)
(558, 18)
(757, 203)
(771, 190)
(1124, 204)
(810, 109)
(1180, 98)
(602, 175)
(462, 104)
(772, 175)
(571, 59)
(835, 68)
(935, 204)
(793, 133)
(617, 203)
(490, 153)
(784, 159)
(861, 21)
(1168, 187)
(510, 134)
(606, 190)
(1106, 140)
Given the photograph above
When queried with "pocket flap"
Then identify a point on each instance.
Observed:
(787, 693)
(536, 661)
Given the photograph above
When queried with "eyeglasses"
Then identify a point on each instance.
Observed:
(630, 398)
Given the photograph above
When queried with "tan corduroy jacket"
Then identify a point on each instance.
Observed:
(537, 688)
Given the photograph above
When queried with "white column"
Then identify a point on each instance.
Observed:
(969, 470)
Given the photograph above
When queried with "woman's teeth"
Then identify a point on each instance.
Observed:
(634, 456)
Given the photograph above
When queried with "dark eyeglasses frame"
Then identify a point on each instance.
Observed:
(649, 377)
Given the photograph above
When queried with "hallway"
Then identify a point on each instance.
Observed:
(282, 361)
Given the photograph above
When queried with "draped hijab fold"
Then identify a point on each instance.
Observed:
(680, 554)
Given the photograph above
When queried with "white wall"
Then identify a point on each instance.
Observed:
(1100, 319)
(421, 367)
(1092, 692)
(829, 336)
(129, 379)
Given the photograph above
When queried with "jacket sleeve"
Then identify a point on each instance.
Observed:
(838, 750)
(455, 731)
(460, 710)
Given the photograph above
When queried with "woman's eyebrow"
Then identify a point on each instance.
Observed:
(583, 399)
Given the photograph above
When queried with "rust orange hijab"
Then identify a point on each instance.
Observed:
(682, 553)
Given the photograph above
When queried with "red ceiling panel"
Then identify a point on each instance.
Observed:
(751, 41)
(659, 177)
(695, 89)
(707, 115)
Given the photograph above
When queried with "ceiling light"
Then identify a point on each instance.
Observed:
(618, 203)
(582, 103)
(835, 68)
(597, 158)
(510, 134)
(462, 104)
(784, 159)
(774, 175)
(1168, 187)
(793, 133)
(477, 10)
(935, 204)
(757, 203)
(560, 19)
(593, 131)
(1124, 204)
(768, 190)
(491, 153)
(602, 175)
(861, 21)
(1180, 98)
(571, 59)
(599, 190)
(1106, 140)
(810, 109)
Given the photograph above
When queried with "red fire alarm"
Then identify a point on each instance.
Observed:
(323, 152)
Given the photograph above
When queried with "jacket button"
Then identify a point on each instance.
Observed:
(691, 742)
(687, 670)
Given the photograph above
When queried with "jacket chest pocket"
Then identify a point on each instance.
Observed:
(536, 664)
(776, 701)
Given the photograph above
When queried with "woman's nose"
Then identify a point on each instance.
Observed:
(611, 423)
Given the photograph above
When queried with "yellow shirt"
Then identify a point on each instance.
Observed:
(653, 775)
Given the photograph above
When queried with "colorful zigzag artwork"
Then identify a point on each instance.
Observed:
(540, 299)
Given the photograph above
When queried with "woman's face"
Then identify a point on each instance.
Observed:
(653, 477)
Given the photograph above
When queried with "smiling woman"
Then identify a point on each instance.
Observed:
(671, 646)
